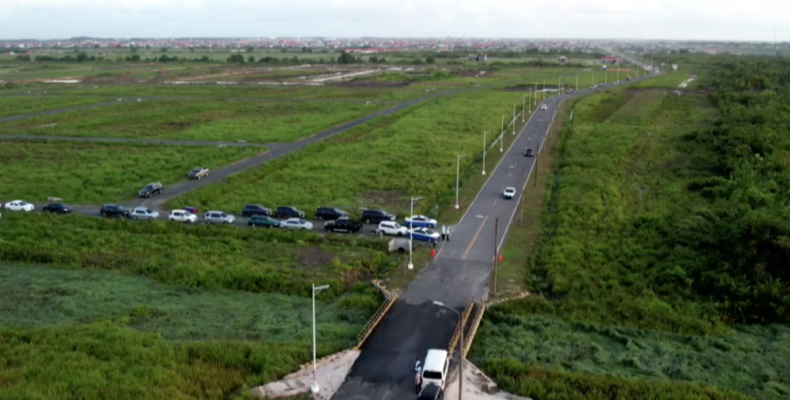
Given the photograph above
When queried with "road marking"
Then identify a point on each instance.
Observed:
(480, 216)
(474, 238)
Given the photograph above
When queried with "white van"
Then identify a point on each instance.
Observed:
(434, 371)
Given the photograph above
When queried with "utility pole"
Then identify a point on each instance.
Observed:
(523, 107)
(496, 252)
(530, 104)
(484, 151)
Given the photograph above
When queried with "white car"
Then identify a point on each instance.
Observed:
(143, 213)
(419, 221)
(391, 228)
(544, 107)
(182, 216)
(19, 205)
(296, 223)
(509, 192)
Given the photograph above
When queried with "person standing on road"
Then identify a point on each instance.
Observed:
(444, 232)
(418, 382)
(417, 365)
(448, 234)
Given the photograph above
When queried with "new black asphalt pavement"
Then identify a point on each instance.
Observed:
(458, 274)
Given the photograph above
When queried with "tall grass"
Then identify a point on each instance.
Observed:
(197, 256)
(261, 122)
(96, 173)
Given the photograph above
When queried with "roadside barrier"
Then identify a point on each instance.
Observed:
(374, 321)
(473, 329)
(461, 325)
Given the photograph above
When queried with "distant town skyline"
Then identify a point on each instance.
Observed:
(756, 20)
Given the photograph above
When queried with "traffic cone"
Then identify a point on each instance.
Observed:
(433, 253)
(500, 256)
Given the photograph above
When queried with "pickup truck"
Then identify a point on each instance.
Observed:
(343, 225)
(198, 173)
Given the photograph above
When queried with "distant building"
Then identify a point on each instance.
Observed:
(478, 57)
(563, 59)
(610, 60)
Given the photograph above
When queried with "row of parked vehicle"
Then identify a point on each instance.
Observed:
(21, 205)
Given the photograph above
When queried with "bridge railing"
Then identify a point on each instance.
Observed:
(461, 325)
(374, 321)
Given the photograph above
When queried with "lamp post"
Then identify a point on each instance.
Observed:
(535, 96)
(523, 107)
(460, 351)
(411, 218)
(502, 133)
(529, 103)
(484, 151)
(514, 119)
(457, 179)
(314, 387)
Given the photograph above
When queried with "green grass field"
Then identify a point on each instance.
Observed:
(376, 165)
(251, 121)
(260, 91)
(97, 173)
(272, 261)
(27, 105)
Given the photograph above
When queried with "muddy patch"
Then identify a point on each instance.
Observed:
(389, 200)
(313, 257)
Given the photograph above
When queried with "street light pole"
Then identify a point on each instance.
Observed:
(523, 107)
(484, 151)
(529, 103)
(514, 119)
(502, 133)
(457, 179)
(535, 96)
(462, 323)
(411, 216)
(314, 388)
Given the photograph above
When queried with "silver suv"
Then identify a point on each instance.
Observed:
(218, 217)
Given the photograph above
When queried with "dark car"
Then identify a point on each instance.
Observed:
(343, 224)
(329, 213)
(431, 392)
(255, 209)
(151, 189)
(198, 173)
(376, 216)
(263, 221)
(288, 212)
(528, 152)
(57, 208)
(114, 210)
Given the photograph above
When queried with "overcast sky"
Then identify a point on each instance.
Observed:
(640, 19)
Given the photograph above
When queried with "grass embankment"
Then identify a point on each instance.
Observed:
(262, 91)
(260, 122)
(21, 105)
(201, 256)
(96, 334)
(670, 80)
(96, 173)
(376, 165)
(630, 256)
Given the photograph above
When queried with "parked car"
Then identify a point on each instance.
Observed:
(151, 189)
(263, 221)
(343, 224)
(255, 209)
(509, 192)
(420, 221)
(296, 223)
(528, 152)
(113, 210)
(376, 216)
(182, 216)
(288, 212)
(329, 213)
(423, 235)
(431, 392)
(390, 228)
(19, 205)
(198, 173)
(544, 107)
(143, 213)
(218, 217)
(57, 208)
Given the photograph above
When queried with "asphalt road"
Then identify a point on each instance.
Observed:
(259, 99)
(459, 274)
(61, 110)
